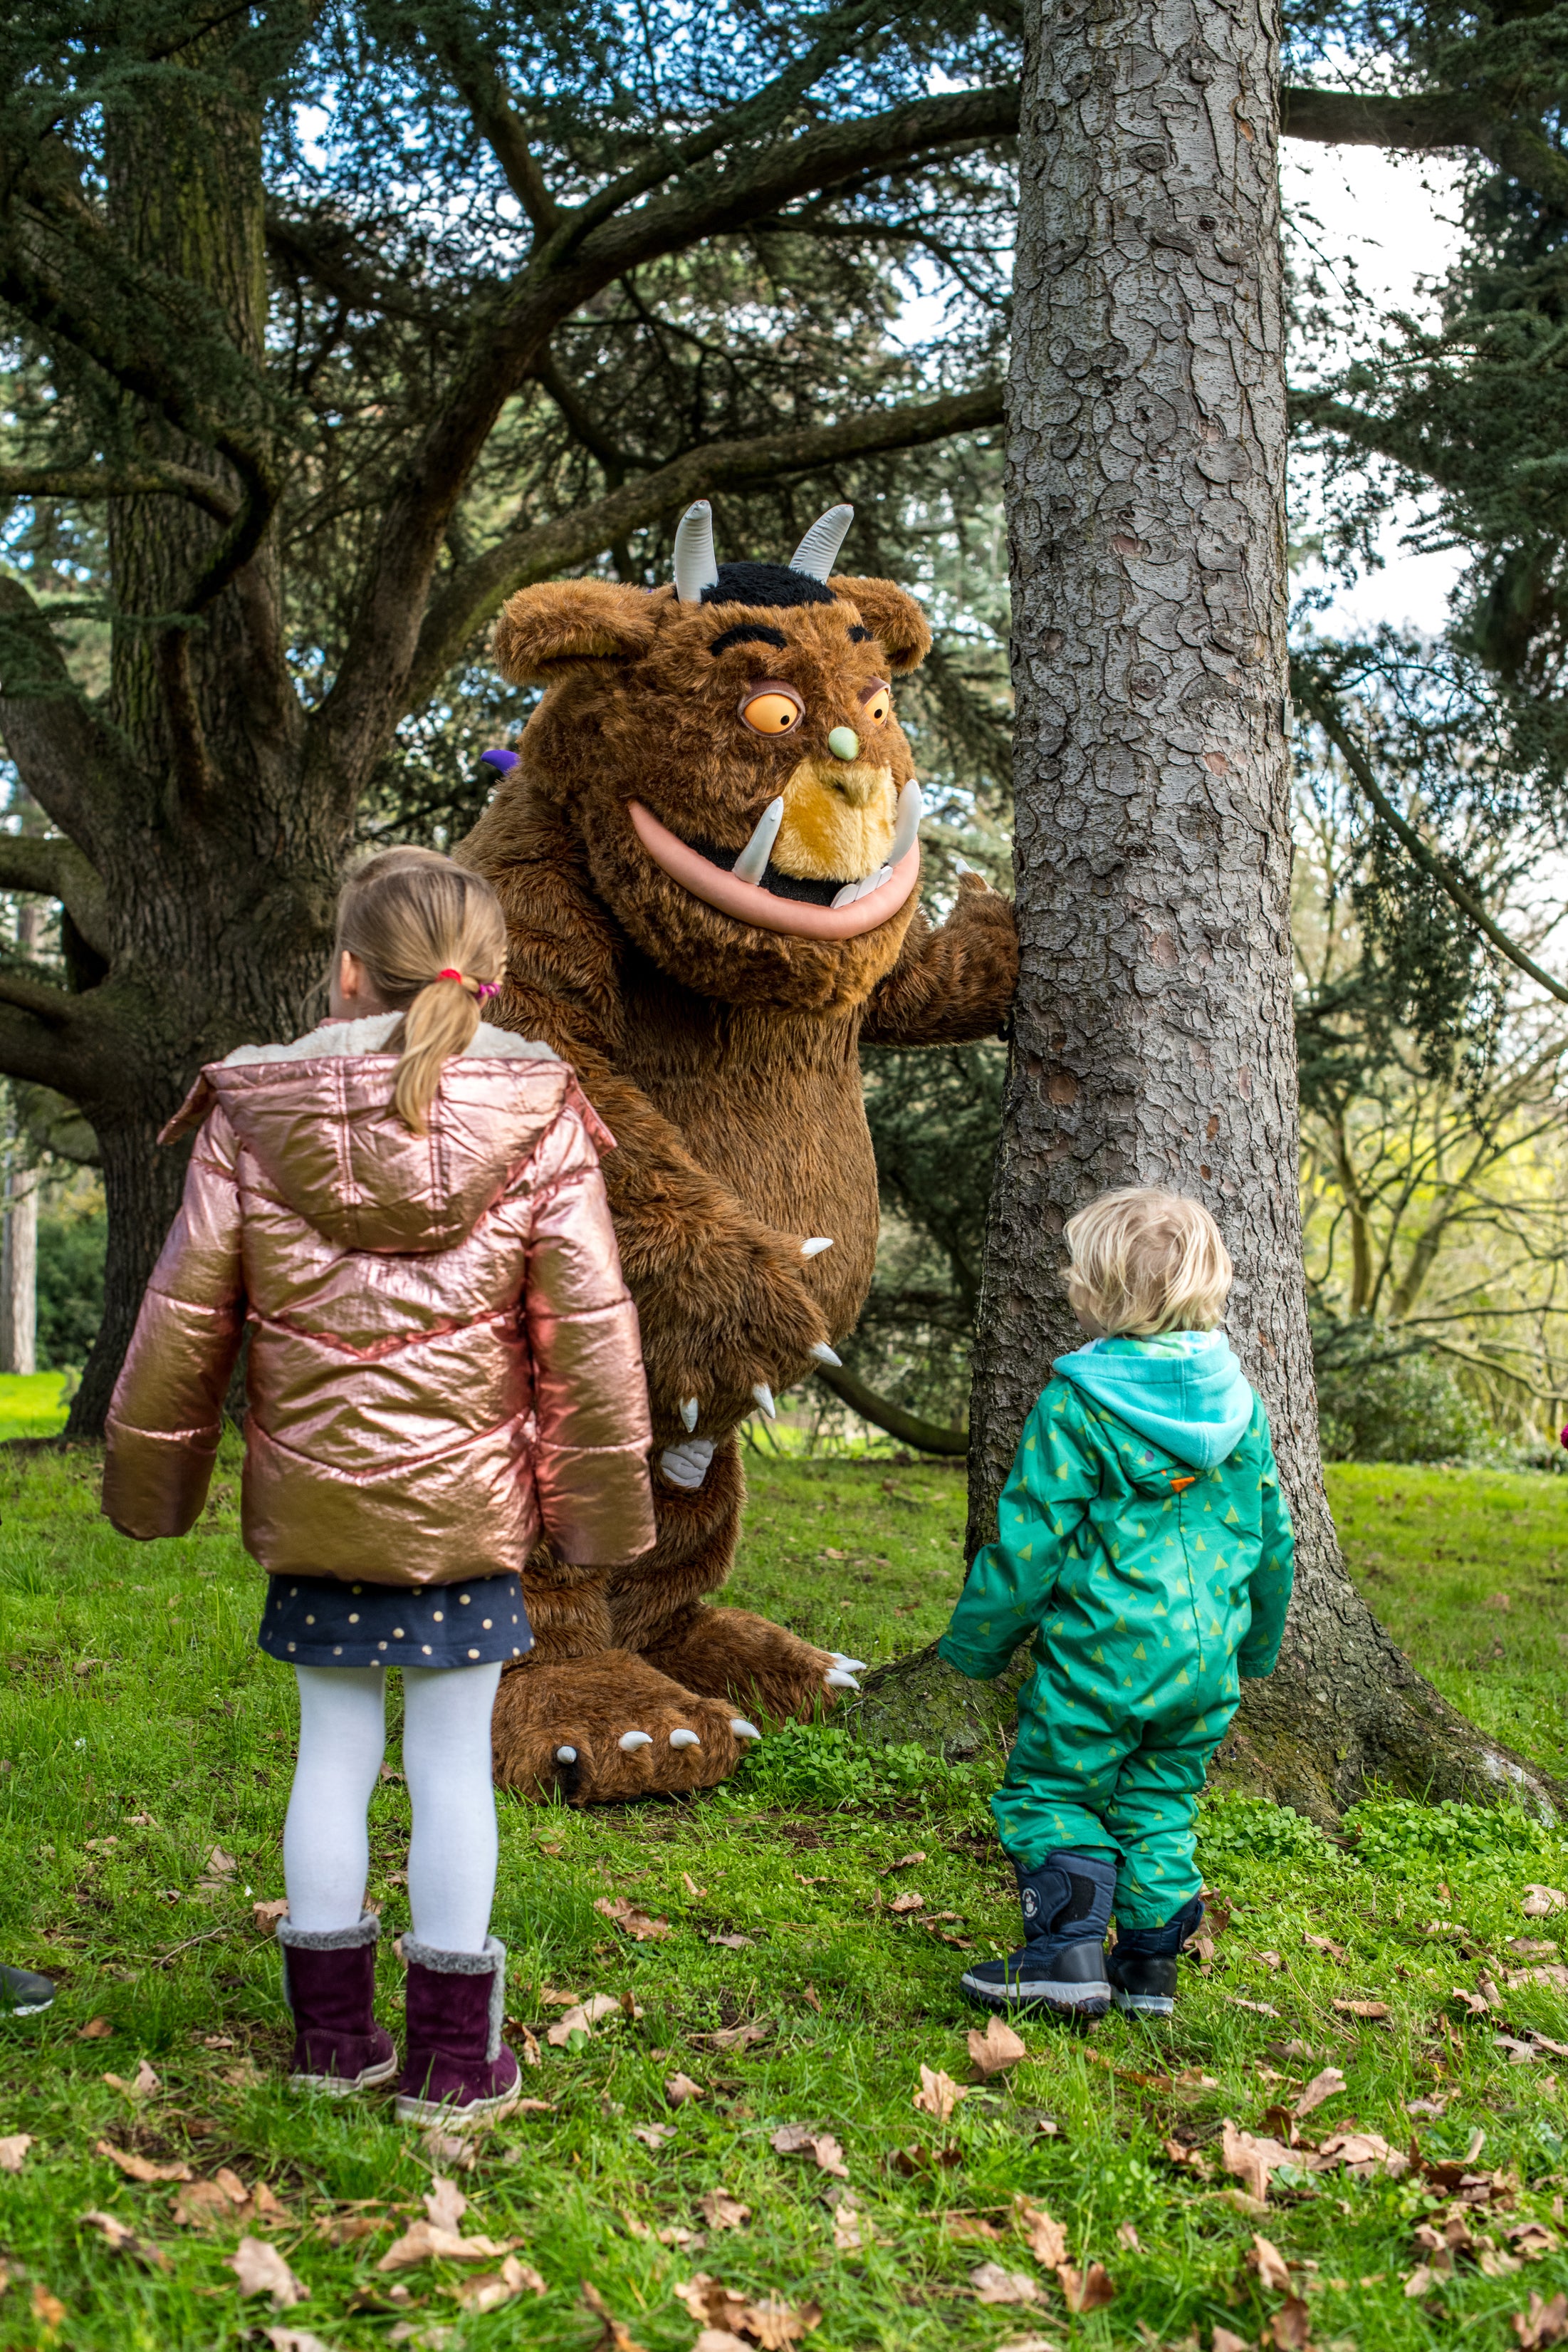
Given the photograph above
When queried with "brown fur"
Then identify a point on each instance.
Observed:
(724, 1061)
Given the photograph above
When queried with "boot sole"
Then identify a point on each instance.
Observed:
(1143, 2004)
(1090, 1999)
(444, 2111)
(27, 2009)
(340, 2087)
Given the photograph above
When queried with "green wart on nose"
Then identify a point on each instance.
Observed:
(845, 743)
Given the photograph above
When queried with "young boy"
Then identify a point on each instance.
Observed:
(1145, 1545)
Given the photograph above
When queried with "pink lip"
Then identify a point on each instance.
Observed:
(749, 902)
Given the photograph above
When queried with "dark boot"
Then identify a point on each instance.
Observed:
(330, 1983)
(457, 2066)
(22, 1994)
(1066, 1911)
(1143, 1966)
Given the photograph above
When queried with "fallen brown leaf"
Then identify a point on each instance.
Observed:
(1367, 2009)
(799, 2139)
(1192, 2159)
(631, 1922)
(266, 1915)
(1543, 2324)
(720, 2339)
(1224, 2340)
(992, 2284)
(1290, 2329)
(813, 1999)
(424, 2241)
(1087, 2291)
(97, 2028)
(48, 2308)
(122, 2241)
(347, 2228)
(733, 1943)
(13, 2151)
(1540, 1900)
(583, 2018)
(1325, 1944)
(1272, 2271)
(294, 2339)
(938, 2093)
(720, 2210)
(205, 2202)
(1047, 2239)
(444, 2203)
(909, 1901)
(905, 1862)
(679, 2088)
(143, 2084)
(135, 2167)
(261, 2269)
(491, 2289)
(1326, 2086)
(737, 2037)
(770, 2323)
(1127, 2235)
(1251, 2159)
(612, 2336)
(652, 2135)
(995, 2050)
(970, 2225)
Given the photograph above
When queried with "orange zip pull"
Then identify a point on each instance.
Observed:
(1177, 1483)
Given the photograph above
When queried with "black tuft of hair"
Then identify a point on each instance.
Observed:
(766, 583)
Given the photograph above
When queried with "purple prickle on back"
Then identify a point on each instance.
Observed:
(499, 758)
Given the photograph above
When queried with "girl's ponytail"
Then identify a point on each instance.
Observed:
(432, 939)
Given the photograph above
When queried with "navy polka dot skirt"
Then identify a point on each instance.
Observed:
(315, 1620)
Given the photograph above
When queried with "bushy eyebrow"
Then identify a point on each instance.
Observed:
(858, 636)
(747, 632)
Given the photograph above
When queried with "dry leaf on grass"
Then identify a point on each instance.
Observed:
(97, 2028)
(222, 1864)
(1364, 2152)
(1290, 2329)
(909, 1901)
(294, 2339)
(679, 2088)
(14, 2150)
(1325, 1944)
(1027, 2344)
(1540, 1900)
(1271, 1960)
(1251, 2159)
(48, 2308)
(1326, 2086)
(612, 2336)
(720, 2339)
(652, 2135)
(444, 2203)
(1047, 2238)
(720, 2210)
(799, 2139)
(737, 2037)
(992, 2284)
(770, 2323)
(1543, 2324)
(266, 1915)
(135, 2167)
(905, 1862)
(1259, 2008)
(970, 2225)
(583, 2018)
(122, 2241)
(424, 2241)
(347, 2228)
(1225, 2340)
(205, 2201)
(261, 2269)
(143, 2084)
(812, 1997)
(1373, 2009)
(938, 2093)
(1191, 2159)
(997, 2048)
(733, 1943)
(1272, 2271)
(631, 1922)
(1127, 2235)
(1088, 2291)
(850, 2233)
(491, 2289)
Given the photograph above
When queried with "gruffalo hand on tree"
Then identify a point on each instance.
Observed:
(707, 849)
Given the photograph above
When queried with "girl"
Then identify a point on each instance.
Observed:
(406, 1205)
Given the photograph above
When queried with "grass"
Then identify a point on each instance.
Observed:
(140, 1728)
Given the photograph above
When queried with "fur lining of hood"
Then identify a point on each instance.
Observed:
(369, 1036)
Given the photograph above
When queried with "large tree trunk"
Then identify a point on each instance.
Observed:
(1154, 1038)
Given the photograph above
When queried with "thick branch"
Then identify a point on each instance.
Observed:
(1425, 124)
(36, 996)
(34, 1052)
(1319, 699)
(71, 762)
(57, 869)
(114, 482)
(485, 95)
(480, 588)
(929, 1436)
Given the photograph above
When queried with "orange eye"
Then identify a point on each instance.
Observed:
(876, 703)
(770, 709)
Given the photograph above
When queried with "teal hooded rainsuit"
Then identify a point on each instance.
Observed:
(1145, 1543)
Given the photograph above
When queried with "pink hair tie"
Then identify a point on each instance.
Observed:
(485, 989)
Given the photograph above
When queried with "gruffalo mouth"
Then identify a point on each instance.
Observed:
(707, 848)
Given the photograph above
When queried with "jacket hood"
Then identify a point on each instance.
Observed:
(317, 1114)
(1183, 1390)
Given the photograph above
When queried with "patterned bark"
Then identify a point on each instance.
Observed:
(1154, 1038)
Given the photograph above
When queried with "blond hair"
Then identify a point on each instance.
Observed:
(409, 916)
(1146, 1261)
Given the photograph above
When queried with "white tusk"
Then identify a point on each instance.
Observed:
(752, 863)
(847, 896)
(838, 1680)
(631, 1740)
(850, 1665)
(689, 1413)
(962, 866)
(685, 1740)
(764, 1396)
(817, 1244)
(821, 543)
(824, 1354)
(744, 1730)
(906, 825)
(566, 1754)
(694, 567)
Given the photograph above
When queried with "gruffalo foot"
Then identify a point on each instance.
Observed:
(754, 1663)
(598, 1731)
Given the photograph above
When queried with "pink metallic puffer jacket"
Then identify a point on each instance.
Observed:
(443, 1359)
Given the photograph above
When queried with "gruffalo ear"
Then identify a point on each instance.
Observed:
(544, 629)
(893, 618)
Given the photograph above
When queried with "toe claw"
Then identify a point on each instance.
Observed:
(816, 1244)
(689, 1413)
(836, 1679)
(566, 1754)
(850, 1665)
(764, 1396)
(684, 1738)
(630, 1741)
(824, 1354)
(742, 1730)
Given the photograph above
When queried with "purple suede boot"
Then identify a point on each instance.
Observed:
(457, 2068)
(330, 1983)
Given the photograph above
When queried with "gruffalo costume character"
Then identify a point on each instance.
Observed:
(708, 858)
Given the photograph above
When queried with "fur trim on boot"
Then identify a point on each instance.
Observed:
(457, 2069)
(330, 1984)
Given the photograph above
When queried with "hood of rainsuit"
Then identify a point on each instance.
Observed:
(1183, 1390)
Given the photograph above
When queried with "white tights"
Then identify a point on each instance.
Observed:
(446, 1759)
